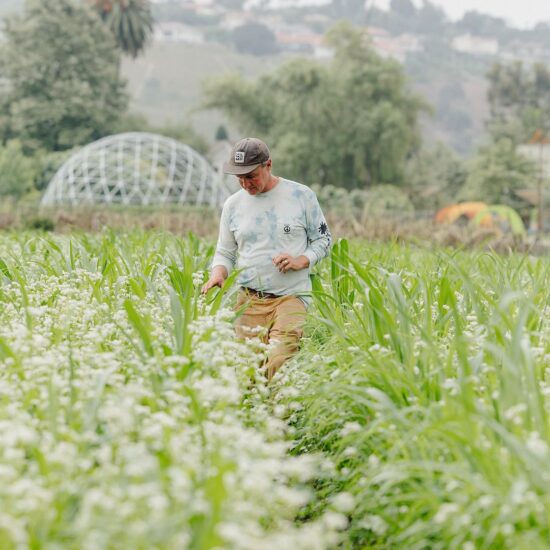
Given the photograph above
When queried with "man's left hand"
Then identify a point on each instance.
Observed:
(286, 262)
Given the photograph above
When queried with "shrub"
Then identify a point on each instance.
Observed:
(387, 199)
(17, 172)
(40, 223)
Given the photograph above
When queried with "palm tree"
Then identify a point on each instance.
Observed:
(131, 22)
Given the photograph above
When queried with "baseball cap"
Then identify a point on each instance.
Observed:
(246, 155)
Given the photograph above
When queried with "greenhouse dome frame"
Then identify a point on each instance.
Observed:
(136, 168)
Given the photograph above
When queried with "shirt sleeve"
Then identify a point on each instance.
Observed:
(226, 248)
(318, 235)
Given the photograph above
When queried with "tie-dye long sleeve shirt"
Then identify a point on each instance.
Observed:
(256, 228)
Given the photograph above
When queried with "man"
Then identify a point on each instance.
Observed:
(274, 231)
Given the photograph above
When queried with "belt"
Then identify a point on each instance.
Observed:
(259, 293)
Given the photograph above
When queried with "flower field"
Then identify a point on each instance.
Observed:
(415, 416)
(126, 414)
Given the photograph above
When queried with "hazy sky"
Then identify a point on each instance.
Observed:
(522, 13)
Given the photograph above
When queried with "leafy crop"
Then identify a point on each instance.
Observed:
(428, 385)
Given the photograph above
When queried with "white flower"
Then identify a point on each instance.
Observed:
(350, 451)
(334, 521)
(515, 414)
(447, 510)
(343, 502)
(536, 445)
(374, 461)
(507, 529)
(350, 428)
(452, 385)
(374, 523)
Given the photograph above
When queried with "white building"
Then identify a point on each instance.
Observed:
(527, 52)
(177, 32)
(475, 45)
(395, 47)
(235, 19)
(299, 38)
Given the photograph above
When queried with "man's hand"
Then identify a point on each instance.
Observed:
(217, 278)
(286, 262)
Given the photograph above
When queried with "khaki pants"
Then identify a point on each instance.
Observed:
(281, 318)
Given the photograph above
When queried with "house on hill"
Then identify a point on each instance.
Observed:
(297, 38)
(475, 45)
(527, 52)
(172, 31)
(395, 47)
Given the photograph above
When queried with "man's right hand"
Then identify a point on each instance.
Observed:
(217, 278)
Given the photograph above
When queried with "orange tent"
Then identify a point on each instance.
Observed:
(463, 211)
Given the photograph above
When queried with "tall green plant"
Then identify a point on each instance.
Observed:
(430, 394)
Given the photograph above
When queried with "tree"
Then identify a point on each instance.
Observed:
(17, 172)
(232, 4)
(130, 21)
(497, 172)
(255, 39)
(404, 8)
(221, 133)
(183, 132)
(47, 164)
(540, 33)
(519, 99)
(482, 24)
(351, 122)
(353, 10)
(435, 177)
(61, 67)
(431, 19)
(403, 16)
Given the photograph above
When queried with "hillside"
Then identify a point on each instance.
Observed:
(456, 87)
(165, 83)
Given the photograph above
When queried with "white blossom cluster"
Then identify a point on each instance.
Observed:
(110, 438)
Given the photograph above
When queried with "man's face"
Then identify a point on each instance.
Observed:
(256, 181)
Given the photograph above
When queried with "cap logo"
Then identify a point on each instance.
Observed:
(239, 157)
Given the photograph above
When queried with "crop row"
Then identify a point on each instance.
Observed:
(127, 414)
(426, 379)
